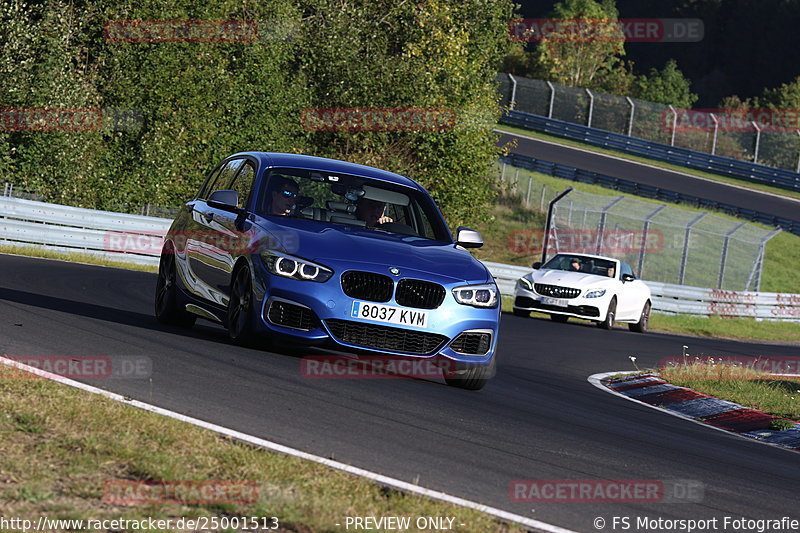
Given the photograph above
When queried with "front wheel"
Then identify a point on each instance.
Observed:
(644, 320)
(167, 308)
(559, 318)
(611, 314)
(240, 305)
(522, 313)
(469, 376)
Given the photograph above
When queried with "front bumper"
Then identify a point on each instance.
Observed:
(579, 307)
(320, 314)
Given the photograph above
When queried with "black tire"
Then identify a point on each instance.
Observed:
(611, 314)
(644, 319)
(468, 376)
(240, 306)
(559, 318)
(167, 308)
(522, 313)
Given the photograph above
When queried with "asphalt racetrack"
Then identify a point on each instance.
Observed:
(538, 418)
(656, 177)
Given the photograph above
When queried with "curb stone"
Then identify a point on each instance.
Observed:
(728, 416)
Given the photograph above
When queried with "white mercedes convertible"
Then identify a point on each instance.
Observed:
(592, 287)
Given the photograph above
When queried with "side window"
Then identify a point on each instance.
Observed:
(209, 181)
(226, 176)
(625, 268)
(244, 182)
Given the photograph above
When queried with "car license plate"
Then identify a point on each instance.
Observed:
(389, 314)
(558, 302)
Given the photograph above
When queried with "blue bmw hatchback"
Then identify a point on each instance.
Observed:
(324, 252)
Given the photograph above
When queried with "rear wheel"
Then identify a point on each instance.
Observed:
(167, 308)
(559, 318)
(611, 314)
(644, 319)
(240, 305)
(469, 376)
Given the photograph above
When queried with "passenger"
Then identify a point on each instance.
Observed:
(372, 212)
(283, 196)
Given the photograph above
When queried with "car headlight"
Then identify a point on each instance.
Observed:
(525, 283)
(293, 267)
(477, 295)
(595, 293)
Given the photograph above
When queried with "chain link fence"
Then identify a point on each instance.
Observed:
(663, 243)
(726, 134)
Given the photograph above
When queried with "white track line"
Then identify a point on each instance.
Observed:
(618, 158)
(256, 441)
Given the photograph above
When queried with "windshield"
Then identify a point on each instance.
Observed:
(351, 200)
(582, 263)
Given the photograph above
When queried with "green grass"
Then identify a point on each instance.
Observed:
(62, 446)
(74, 257)
(622, 155)
(777, 396)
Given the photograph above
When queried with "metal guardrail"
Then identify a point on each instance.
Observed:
(727, 166)
(61, 228)
(647, 191)
(680, 299)
(103, 233)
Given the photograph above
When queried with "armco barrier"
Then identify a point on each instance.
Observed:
(71, 229)
(718, 164)
(64, 228)
(647, 191)
(679, 299)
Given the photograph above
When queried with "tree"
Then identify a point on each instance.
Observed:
(435, 54)
(666, 86)
(586, 47)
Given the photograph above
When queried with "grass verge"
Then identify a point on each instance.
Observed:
(63, 445)
(652, 162)
(778, 396)
(74, 257)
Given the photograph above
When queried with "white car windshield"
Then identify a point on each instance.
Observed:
(582, 263)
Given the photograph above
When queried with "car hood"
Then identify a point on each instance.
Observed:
(578, 280)
(345, 247)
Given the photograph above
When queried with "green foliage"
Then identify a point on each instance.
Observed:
(583, 62)
(437, 54)
(666, 86)
(192, 103)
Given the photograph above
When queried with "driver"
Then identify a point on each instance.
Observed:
(575, 264)
(283, 195)
(372, 212)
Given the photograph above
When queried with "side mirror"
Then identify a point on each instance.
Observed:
(227, 200)
(537, 265)
(468, 238)
(626, 277)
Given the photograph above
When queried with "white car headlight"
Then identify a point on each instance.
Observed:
(293, 267)
(595, 293)
(525, 283)
(477, 295)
